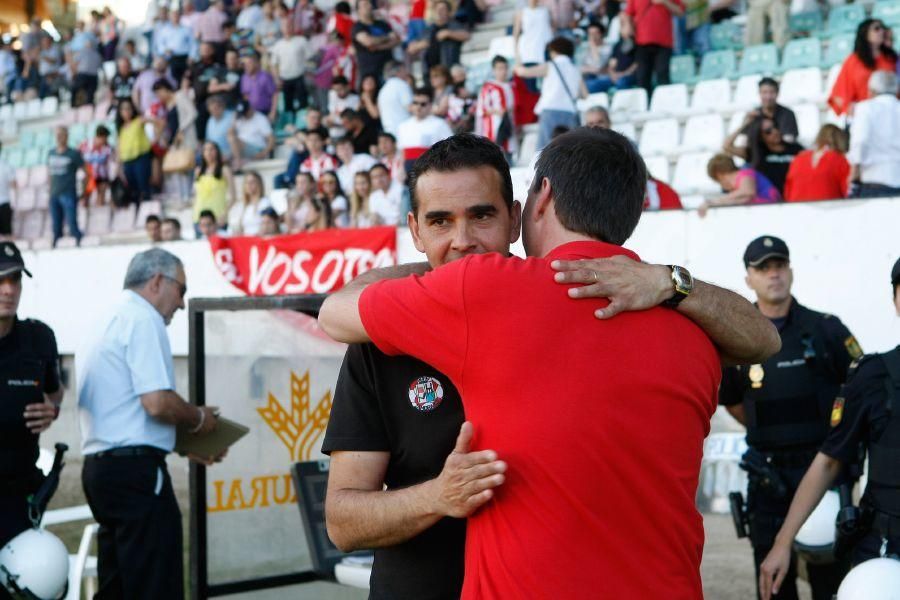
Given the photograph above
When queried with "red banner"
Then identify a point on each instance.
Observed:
(303, 263)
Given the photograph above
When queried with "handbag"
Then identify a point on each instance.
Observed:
(504, 130)
(121, 194)
(568, 93)
(178, 160)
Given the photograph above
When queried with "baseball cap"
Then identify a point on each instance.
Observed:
(11, 260)
(895, 273)
(269, 212)
(763, 248)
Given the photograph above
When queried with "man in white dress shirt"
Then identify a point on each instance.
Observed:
(129, 409)
(874, 154)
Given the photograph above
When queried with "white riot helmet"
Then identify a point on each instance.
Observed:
(875, 579)
(815, 540)
(35, 564)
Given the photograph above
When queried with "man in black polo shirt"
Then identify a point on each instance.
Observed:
(373, 40)
(784, 117)
(397, 421)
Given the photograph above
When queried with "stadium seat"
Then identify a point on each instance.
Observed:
(746, 93)
(839, 48)
(504, 46)
(78, 132)
(85, 114)
(26, 138)
(527, 148)
(33, 109)
(808, 123)
(6, 112)
(627, 129)
(19, 111)
(711, 95)
(13, 156)
(682, 69)
(38, 176)
(31, 227)
(690, 175)
(888, 11)
(833, 74)
(597, 99)
(49, 106)
(806, 22)
(657, 167)
(717, 64)
(659, 137)
(800, 54)
(33, 157)
(844, 19)
(734, 123)
(42, 197)
(761, 59)
(44, 137)
(123, 220)
(101, 111)
(800, 85)
(98, 220)
(725, 36)
(22, 175)
(477, 74)
(669, 99)
(26, 199)
(147, 208)
(704, 132)
(631, 102)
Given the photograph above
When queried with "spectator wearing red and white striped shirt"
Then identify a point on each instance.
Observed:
(318, 161)
(494, 102)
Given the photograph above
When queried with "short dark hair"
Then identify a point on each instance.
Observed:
(101, 131)
(206, 214)
(151, 219)
(768, 81)
(343, 139)
(342, 7)
(390, 136)
(561, 45)
(598, 181)
(340, 80)
(163, 84)
(424, 91)
(499, 59)
(349, 113)
(378, 166)
(458, 152)
(309, 132)
(598, 25)
(173, 222)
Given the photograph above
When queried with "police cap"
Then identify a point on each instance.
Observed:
(11, 260)
(763, 248)
(895, 273)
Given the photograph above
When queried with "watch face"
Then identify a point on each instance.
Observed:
(684, 282)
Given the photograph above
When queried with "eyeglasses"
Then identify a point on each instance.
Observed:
(182, 287)
(419, 103)
(877, 27)
(768, 130)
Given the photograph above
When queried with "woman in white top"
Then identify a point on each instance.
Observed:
(532, 31)
(333, 196)
(563, 85)
(244, 217)
(360, 215)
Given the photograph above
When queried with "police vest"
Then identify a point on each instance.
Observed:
(884, 455)
(21, 383)
(787, 399)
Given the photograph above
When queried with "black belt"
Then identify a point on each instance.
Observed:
(790, 459)
(130, 452)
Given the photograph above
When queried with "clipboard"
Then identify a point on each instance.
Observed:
(226, 433)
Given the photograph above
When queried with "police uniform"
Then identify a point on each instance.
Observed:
(787, 403)
(29, 368)
(401, 405)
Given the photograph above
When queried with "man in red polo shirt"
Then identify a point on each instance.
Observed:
(651, 21)
(603, 453)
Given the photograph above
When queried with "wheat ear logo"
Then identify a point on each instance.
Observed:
(301, 427)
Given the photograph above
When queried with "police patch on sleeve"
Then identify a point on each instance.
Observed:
(853, 348)
(837, 411)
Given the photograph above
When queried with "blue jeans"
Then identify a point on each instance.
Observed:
(602, 83)
(696, 40)
(550, 120)
(66, 206)
(137, 174)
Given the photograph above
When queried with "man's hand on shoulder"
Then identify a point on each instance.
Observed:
(628, 284)
(468, 479)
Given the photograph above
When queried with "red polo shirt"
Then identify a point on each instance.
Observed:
(601, 423)
(652, 22)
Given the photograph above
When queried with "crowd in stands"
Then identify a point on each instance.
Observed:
(348, 98)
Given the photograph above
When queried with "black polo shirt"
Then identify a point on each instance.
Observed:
(29, 368)
(401, 405)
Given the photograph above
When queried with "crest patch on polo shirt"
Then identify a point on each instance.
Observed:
(837, 411)
(426, 393)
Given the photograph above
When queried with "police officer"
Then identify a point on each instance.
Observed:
(785, 403)
(865, 416)
(30, 394)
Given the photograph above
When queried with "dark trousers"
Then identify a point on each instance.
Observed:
(6, 213)
(139, 543)
(652, 60)
(64, 206)
(295, 96)
(84, 87)
(137, 174)
(874, 190)
(766, 514)
(178, 65)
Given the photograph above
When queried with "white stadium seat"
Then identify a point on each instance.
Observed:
(658, 167)
(746, 93)
(33, 108)
(690, 175)
(528, 148)
(801, 85)
(669, 100)
(659, 137)
(629, 103)
(6, 112)
(49, 106)
(19, 110)
(833, 73)
(627, 129)
(808, 123)
(711, 95)
(504, 46)
(598, 99)
(704, 132)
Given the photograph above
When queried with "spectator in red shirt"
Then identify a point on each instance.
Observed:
(651, 21)
(820, 174)
(660, 196)
(614, 407)
(871, 53)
